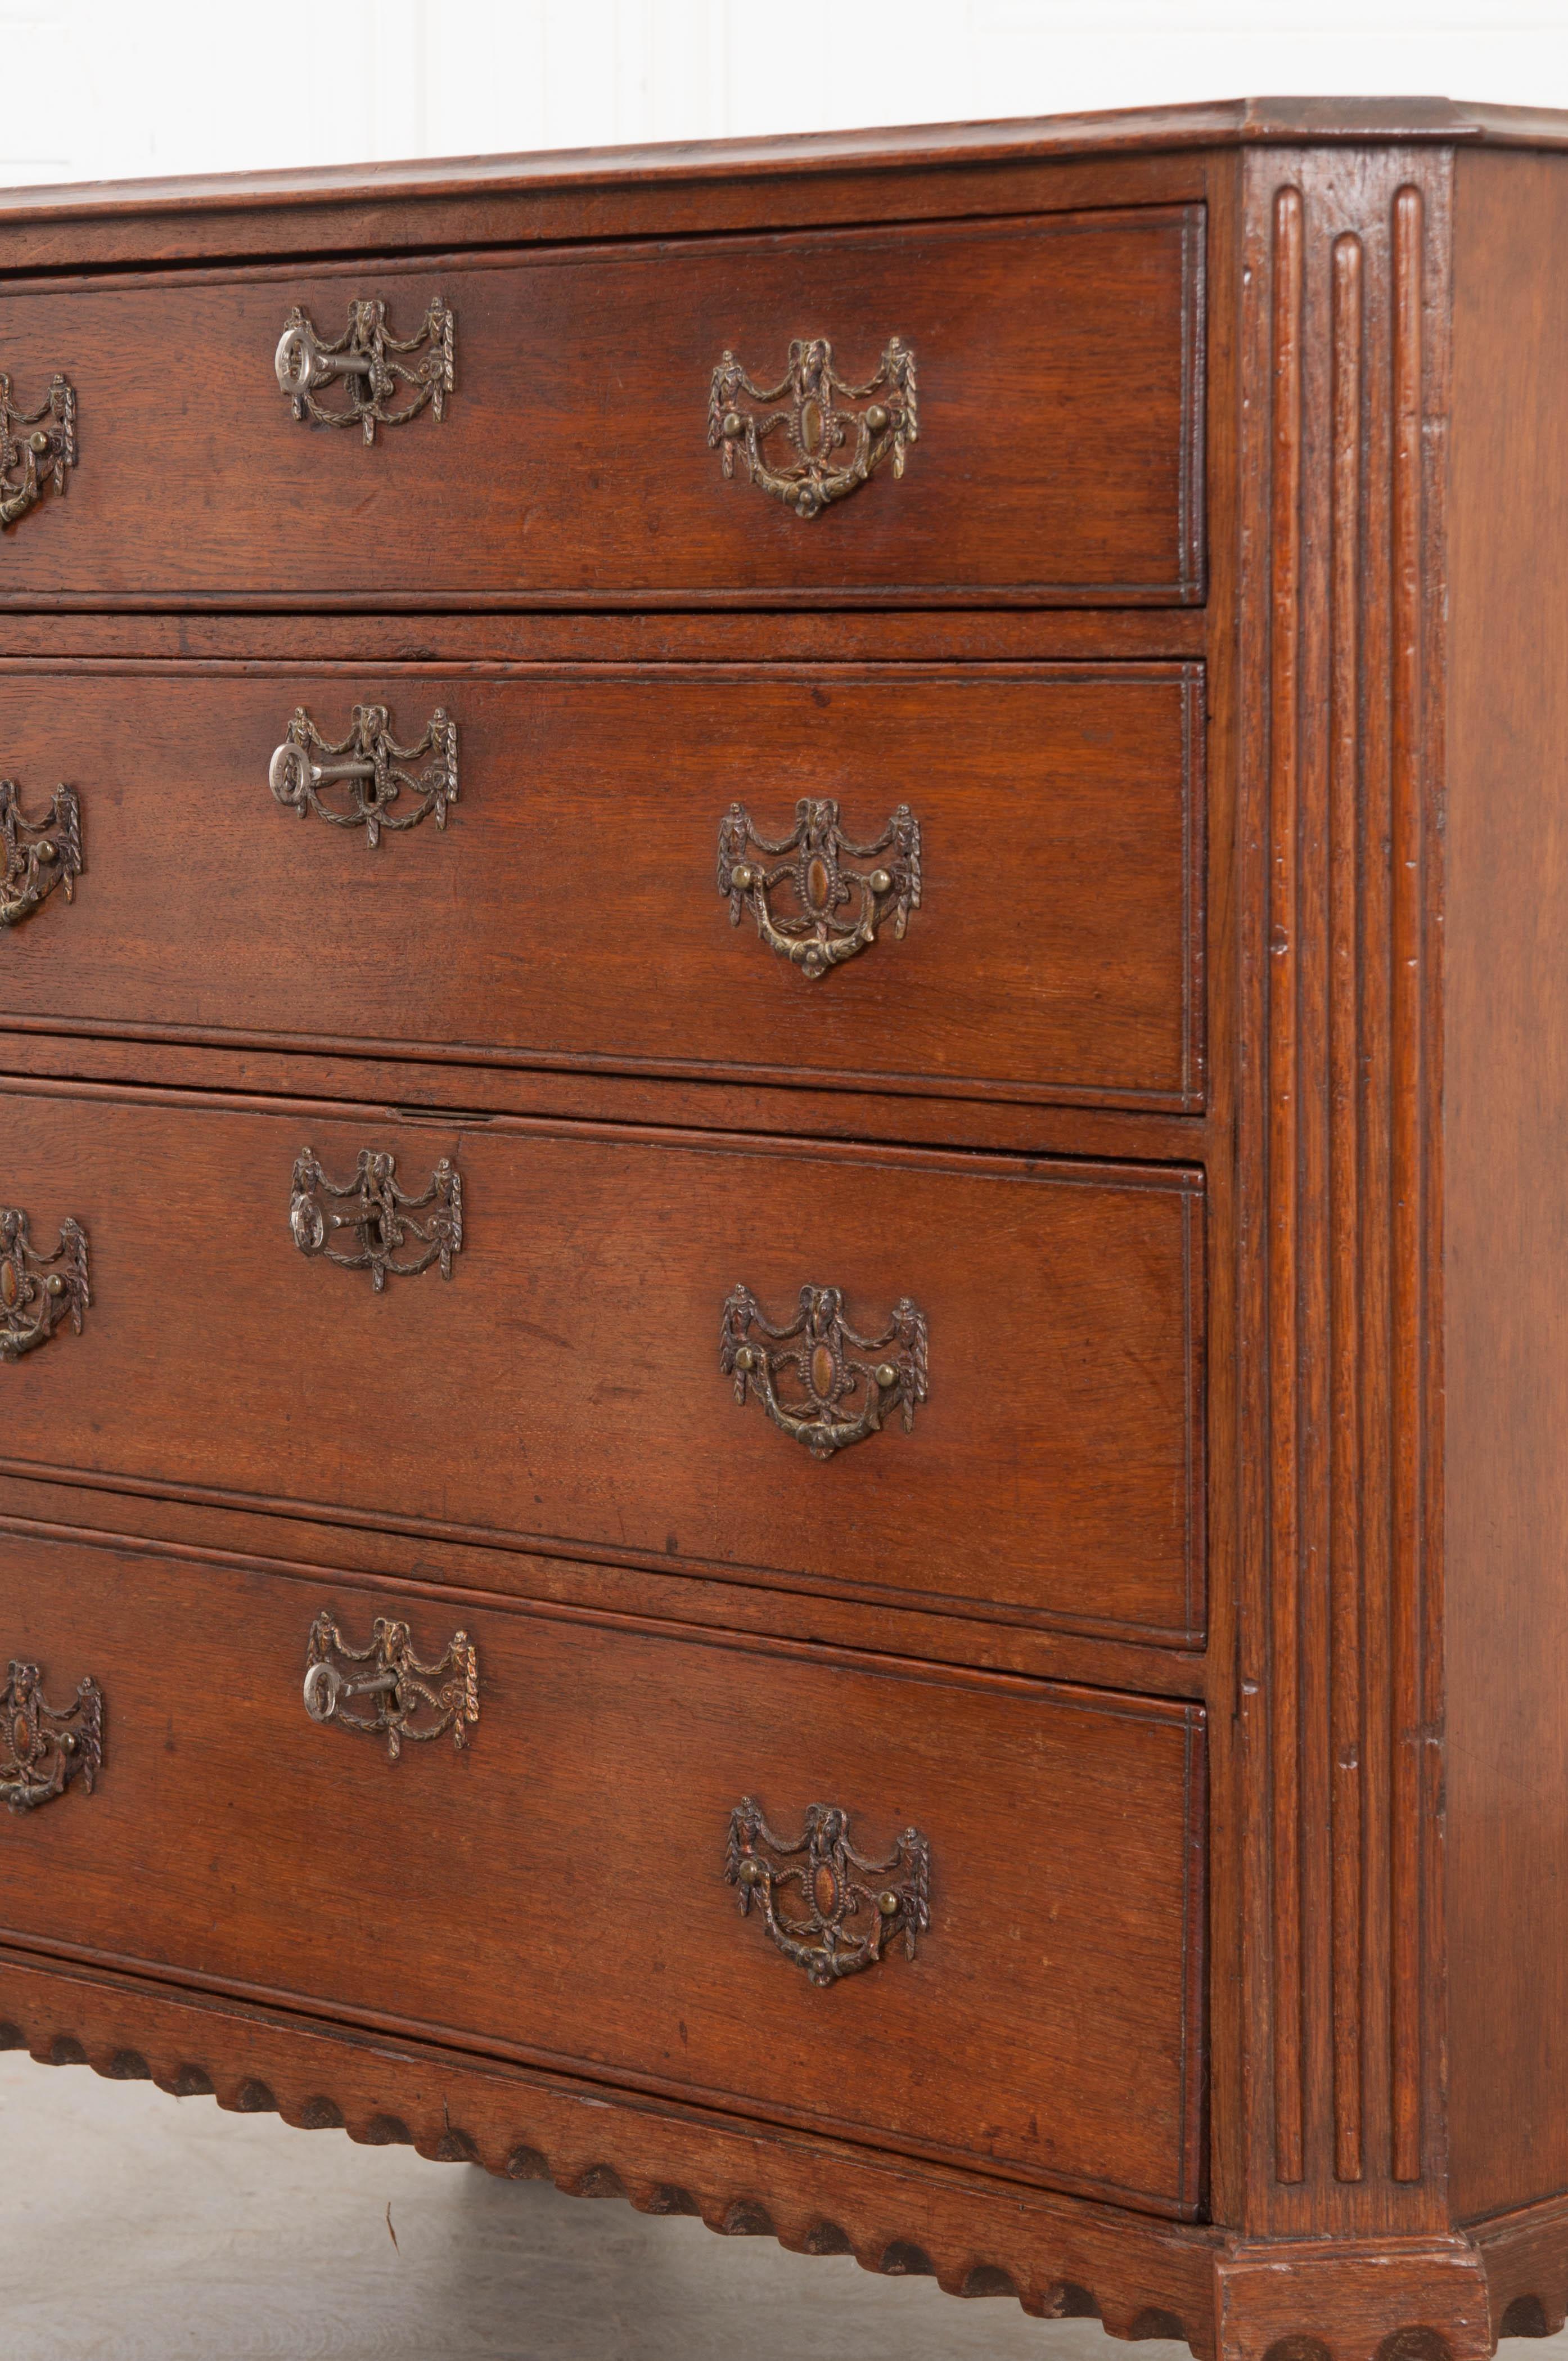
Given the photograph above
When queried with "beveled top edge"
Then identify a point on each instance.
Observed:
(570, 196)
(1223, 123)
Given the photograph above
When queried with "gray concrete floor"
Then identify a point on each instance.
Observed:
(138, 2227)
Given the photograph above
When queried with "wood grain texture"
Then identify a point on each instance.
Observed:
(1505, 1132)
(1229, 707)
(1355, 2300)
(55, 1047)
(1058, 2257)
(1061, 2259)
(1057, 953)
(259, 1539)
(575, 214)
(560, 1907)
(733, 635)
(563, 1390)
(1525, 2253)
(1363, 1213)
(1055, 162)
(1060, 361)
(1346, 1703)
(1341, 486)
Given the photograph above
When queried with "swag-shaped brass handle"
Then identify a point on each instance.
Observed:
(43, 1747)
(814, 900)
(818, 1379)
(407, 1702)
(38, 1290)
(380, 387)
(380, 788)
(828, 1907)
(37, 854)
(383, 1223)
(822, 448)
(38, 447)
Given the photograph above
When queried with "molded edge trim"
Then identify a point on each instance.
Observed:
(1285, 121)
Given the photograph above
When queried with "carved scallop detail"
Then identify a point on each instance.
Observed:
(527, 2128)
(319, 2115)
(1415, 2344)
(1526, 2316)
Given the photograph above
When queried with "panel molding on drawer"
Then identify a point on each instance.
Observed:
(563, 1392)
(57, 1508)
(1055, 956)
(565, 1902)
(1059, 459)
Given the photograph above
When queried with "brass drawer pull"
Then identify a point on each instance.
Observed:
(44, 1747)
(810, 474)
(38, 1290)
(39, 854)
(832, 910)
(364, 360)
(381, 1216)
(370, 759)
(44, 452)
(406, 1703)
(843, 1384)
(846, 1907)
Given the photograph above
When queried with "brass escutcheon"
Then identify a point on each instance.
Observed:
(818, 1380)
(830, 1909)
(824, 448)
(373, 768)
(38, 1290)
(381, 1218)
(44, 1748)
(38, 447)
(819, 905)
(366, 362)
(36, 855)
(407, 1703)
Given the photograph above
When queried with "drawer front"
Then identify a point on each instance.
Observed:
(1056, 393)
(574, 1383)
(559, 1889)
(1037, 931)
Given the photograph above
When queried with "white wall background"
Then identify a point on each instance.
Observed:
(104, 89)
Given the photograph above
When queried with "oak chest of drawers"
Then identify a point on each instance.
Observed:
(782, 1288)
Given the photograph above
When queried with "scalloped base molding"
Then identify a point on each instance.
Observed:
(1401, 2299)
(1061, 2257)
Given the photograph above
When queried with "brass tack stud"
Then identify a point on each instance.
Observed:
(38, 442)
(886, 1374)
(888, 1903)
(878, 418)
(880, 882)
(743, 875)
(55, 1284)
(734, 423)
(751, 1873)
(745, 1359)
